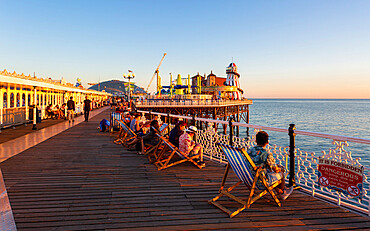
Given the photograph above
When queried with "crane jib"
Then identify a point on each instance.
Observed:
(156, 71)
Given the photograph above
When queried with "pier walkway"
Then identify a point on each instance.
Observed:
(80, 180)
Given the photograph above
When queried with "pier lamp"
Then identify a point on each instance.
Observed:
(129, 76)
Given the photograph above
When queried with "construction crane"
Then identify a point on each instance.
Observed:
(156, 72)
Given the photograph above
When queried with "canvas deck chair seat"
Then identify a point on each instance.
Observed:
(125, 135)
(151, 150)
(249, 174)
(162, 129)
(166, 157)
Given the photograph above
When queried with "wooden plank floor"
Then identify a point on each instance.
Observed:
(80, 180)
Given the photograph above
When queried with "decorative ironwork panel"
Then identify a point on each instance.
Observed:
(209, 139)
(307, 176)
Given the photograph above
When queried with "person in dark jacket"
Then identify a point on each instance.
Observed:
(176, 132)
(71, 109)
(87, 108)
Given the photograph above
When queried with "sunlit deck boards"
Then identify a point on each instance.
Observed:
(80, 180)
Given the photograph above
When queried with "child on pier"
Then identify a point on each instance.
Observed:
(264, 158)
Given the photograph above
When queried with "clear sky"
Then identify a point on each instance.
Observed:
(283, 49)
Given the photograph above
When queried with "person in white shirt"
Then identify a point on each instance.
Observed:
(188, 146)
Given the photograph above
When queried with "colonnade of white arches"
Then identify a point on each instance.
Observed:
(17, 99)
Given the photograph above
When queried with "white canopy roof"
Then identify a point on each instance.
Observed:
(33, 83)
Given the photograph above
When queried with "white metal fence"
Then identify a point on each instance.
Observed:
(13, 116)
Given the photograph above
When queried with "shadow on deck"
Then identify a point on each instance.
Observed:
(80, 180)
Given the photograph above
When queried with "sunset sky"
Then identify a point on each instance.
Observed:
(283, 49)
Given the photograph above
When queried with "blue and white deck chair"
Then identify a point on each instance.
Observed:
(162, 128)
(249, 174)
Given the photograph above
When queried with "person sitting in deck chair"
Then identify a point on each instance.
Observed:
(50, 112)
(150, 138)
(104, 125)
(176, 132)
(135, 124)
(58, 112)
(127, 118)
(264, 158)
(188, 146)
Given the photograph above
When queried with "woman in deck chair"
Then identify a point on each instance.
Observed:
(261, 157)
(188, 146)
(176, 132)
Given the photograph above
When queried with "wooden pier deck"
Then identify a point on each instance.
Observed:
(80, 180)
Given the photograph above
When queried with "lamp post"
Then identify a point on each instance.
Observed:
(129, 76)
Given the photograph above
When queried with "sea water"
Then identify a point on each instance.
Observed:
(345, 117)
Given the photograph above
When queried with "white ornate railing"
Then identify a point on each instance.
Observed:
(306, 163)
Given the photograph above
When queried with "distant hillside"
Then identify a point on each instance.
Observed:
(115, 87)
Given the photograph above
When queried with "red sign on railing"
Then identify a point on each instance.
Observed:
(341, 176)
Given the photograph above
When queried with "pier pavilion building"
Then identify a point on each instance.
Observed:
(210, 97)
(18, 93)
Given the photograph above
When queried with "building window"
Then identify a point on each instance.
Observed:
(23, 100)
(18, 100)
(11, 100)
(5, 100)
(29, 100)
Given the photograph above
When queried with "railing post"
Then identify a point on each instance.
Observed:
(34, 109)
(291, 155)
(168, 122)
(231, 131)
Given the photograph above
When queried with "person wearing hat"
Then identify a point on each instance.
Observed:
(188, 146)
(127, 118)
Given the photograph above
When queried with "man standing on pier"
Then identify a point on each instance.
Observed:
(71, 109)
(87, 108)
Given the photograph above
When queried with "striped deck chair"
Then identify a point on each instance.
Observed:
(121, 134)
(164, 161)
(241, 163)
(126, 134)
(151, 150)
(163, 128)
